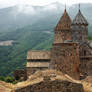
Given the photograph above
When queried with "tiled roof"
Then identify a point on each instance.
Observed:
(38, 55)
(80, 19)
(37, 64)
(64, 23)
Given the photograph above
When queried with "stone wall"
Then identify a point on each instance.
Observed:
(65, 58)
(61, 36)
(20, 75)
(85, 49)
(34, 65)
(86, 66)
(80, 33)
(52, 86)
(31, 71)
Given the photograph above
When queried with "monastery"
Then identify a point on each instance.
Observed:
(71, 52)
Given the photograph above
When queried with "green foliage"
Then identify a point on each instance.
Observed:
(35, 37)
(9, 79)
(90, 38)
(14, 57)
(2, 78)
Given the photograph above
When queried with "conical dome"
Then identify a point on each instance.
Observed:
(79, 19)
(64, 23)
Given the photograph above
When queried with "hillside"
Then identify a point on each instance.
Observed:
(15, 56)
(30, 27)
(38, 78)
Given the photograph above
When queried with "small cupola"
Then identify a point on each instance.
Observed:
(64, 22)
(79, 19)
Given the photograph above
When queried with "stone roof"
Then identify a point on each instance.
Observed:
(80, 19)
(37, 64)
(88, 46)
(34, 55)
(64, 23)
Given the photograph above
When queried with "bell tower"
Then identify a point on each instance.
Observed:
(80, 28)
(63, 29)
(65, 53)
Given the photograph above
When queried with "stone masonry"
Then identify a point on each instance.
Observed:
(52, 86)
(65, 58)
(49, 81)
(71, 51)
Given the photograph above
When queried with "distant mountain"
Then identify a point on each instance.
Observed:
(22, 15)
(31, 27)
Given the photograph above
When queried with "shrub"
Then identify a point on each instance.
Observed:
(2, 78)
(9, 79)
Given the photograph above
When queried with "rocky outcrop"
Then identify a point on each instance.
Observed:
(5, 87)
(20, 74)
(49, 81)
(52, 86)
(88, 79)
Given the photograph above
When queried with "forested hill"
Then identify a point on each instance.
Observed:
(30, 27)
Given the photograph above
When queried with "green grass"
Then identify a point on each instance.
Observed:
(31, 38)
(14, 57)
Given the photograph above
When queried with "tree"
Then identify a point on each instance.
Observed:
(9, 79)
(2, 78)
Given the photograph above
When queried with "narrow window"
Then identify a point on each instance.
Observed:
(84, 53)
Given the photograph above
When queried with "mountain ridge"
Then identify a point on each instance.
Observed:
(29, 31)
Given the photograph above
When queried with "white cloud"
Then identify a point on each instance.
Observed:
(26, 9)
(6, 3)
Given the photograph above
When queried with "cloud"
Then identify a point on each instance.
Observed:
(7, 3)
(23, 9)
(50, 7)
(26, 9)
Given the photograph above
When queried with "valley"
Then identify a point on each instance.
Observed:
(20, 32)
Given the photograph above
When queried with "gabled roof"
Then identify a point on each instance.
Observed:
(38, 64)
(64, 23)
(80, 19)
(34, 55)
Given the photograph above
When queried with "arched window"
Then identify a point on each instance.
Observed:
(84, 52)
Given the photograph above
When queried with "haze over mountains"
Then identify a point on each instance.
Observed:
(23, 15)
(31, 27)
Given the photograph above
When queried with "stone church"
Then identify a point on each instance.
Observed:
(71, 52)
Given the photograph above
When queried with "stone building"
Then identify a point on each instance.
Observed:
(63, 29)
(37, 60)
(65, 53)
(71, 51)
(79, 28)
(65, 58)
(80, 34)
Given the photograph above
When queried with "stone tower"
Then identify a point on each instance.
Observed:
(80, 28)
(65, 53)
(80, 33)
(62, 30)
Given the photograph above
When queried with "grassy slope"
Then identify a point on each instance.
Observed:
(14, 57)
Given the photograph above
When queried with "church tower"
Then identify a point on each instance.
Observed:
(65, 53)
(80, 28)
(63, 29)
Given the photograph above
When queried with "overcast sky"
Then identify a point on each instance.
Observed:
(5, 3)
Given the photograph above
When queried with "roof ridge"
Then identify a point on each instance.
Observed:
(64, 22)
(38, 51)
(79, 19)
